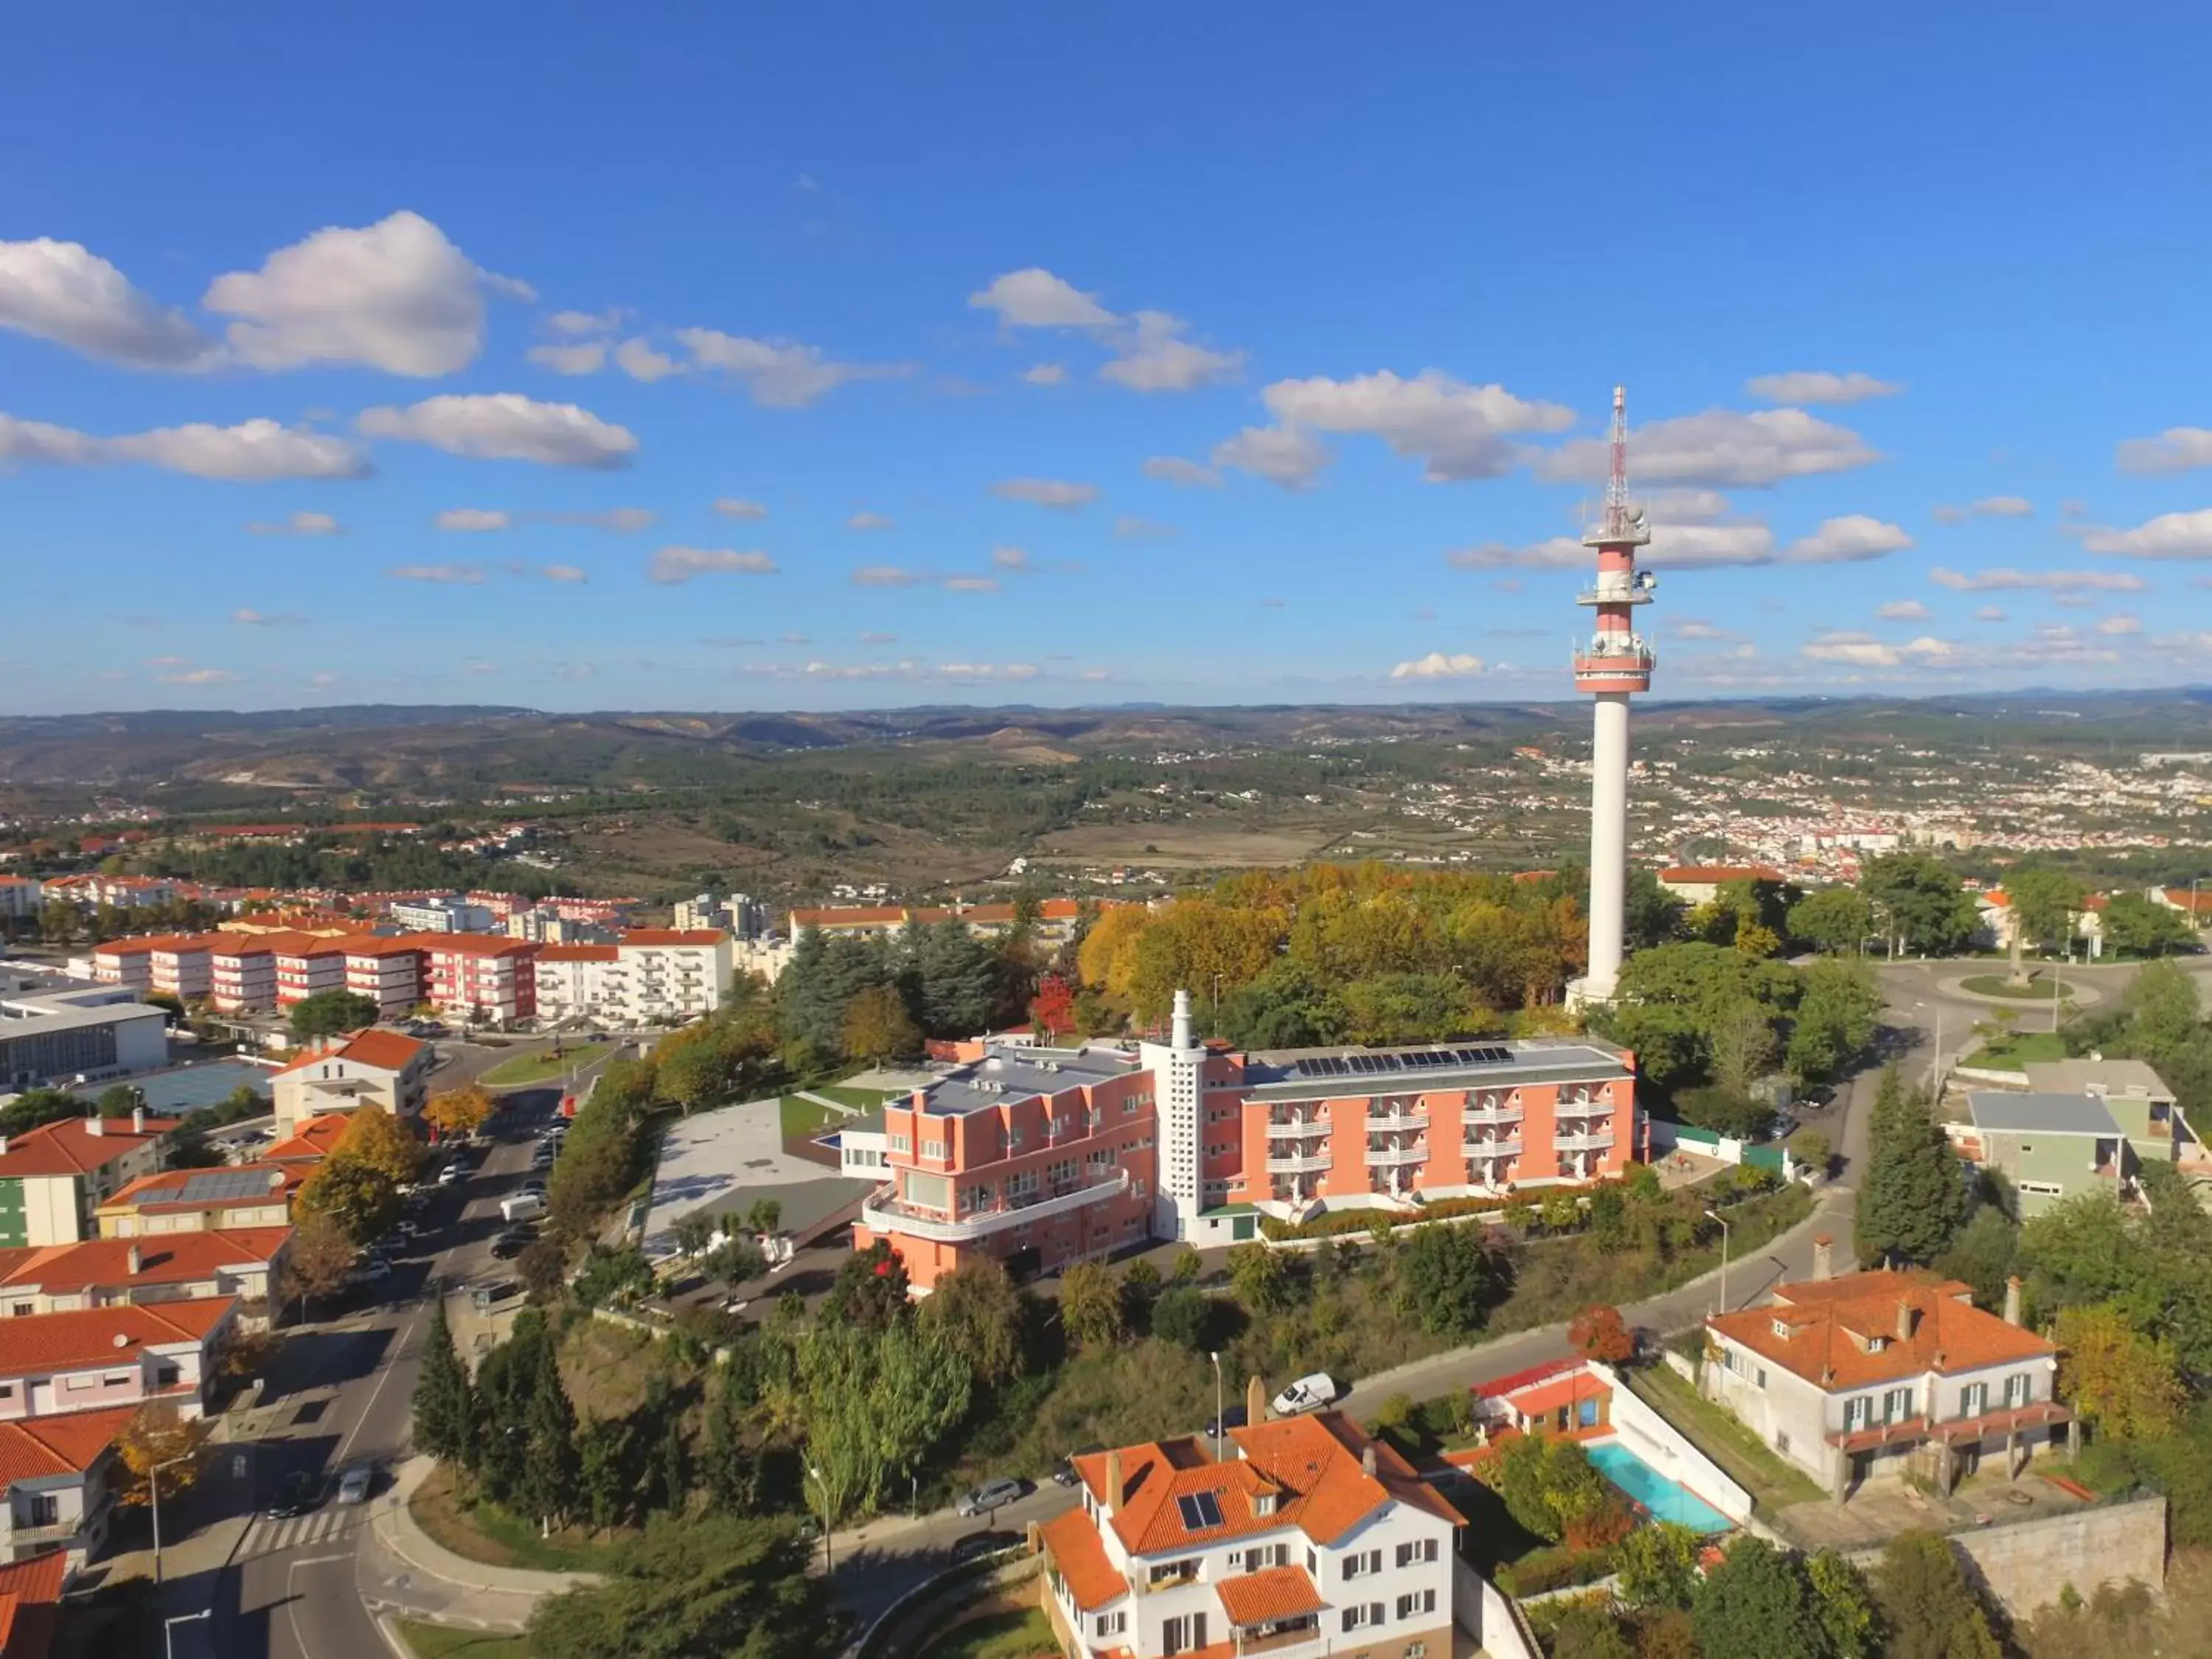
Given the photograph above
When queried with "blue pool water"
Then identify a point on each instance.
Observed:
(185, 1088)
(1666, 1500)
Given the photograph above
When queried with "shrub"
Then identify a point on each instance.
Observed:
(1555, 1568)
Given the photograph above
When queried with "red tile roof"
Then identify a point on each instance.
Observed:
(476, 944)
(380, 944)
(163, 1259)
(1720, 873)
(579, 953)
(1080, 1554)
(673, 936)
(67, 1444)
(30, 1605)
(1259, 1598)
(317, 1138)
(1879, 1327)
(66, 1341)
(384, 1051)
(67, 1146)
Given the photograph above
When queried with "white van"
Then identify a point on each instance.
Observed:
(523, 1206)
(1317, 1390)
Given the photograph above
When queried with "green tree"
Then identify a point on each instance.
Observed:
(871, 1289)
(1930, 1608)
(444, 1402)
(2136, 927)
(1547, 1484)
(1446, 1277)
(1658, 1565)
(2122, 1383)
(1091, 1305)
(714, 1587)
(1983, 1254)
(1184, 1316)
(873, 1404)
(728, 1467)
(1741, 1043)
(1919, 903)
(361, 1202)
(549, 1485)
(331, 1013)
(979, 1309)
(1757, 1603)
(1914, 1197)
(1259, 1279)
(603, 1454)
(876, 1026)
(1844, 1604)
(1835, 919)
(2046, 905)
(1725, 1111)
(1837, 1017)
(672, 1466)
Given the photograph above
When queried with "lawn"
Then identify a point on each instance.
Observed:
(2012, 1050)
(483, 1532)
(1995, 985)
(802, 1120)
(428, 1641)
(1018, 1633)
(1774, 1485)
(543, 1067)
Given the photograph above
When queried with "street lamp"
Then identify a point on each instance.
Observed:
(169, 1628)
(816, 1472)
(153, 1481)
(1935, 1072)
(1219, 1426)
(1726, 1229)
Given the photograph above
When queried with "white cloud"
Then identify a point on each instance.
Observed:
(886, 575)
(1902, 610)
(396, 296)
(681, 564)
(65, 292)
(1046, 492)
(1290, 456)
(733, 507)
(249, 619)
(587, 357)
(869, 521)
(1013, 558)
(985, 671)
(1156, 358)
(779, 373)
(1679, 547)
(1944, 513)
(1989, 507)
(1458, 430)
(1035, 298)
(200, 677)
(2169, 536)
(1677, 506)
(872, 638)
(1045, 374)
(298, 524)
(638, 360)
(469, 575)
(506, 426)
(1990, 613)
(971, 584)
(1173, 469)
(1130, 527)
(1722, 448)
(1438, 666)
(252, 450)
(473, 519)
(2120, 623)
(623, 520)
(2003, 578)
(563, 572)
(585, 322)
(1816, 387)
(1695, 628)
(2177, 449)
(1847, 540)
(2051, 643)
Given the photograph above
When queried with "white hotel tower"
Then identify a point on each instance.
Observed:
(1615, 664)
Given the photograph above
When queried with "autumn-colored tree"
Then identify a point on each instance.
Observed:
(2122, 1382)
(1052, 1009)
(457, 1111)
(156, 1436)
(359, 1199)
(319, 1260)
(1598, 1333)
(878, 1026)
(1091, 1305)
(382, 1142)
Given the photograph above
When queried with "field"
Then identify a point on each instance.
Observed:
(545, 1067)
(1225, 844)
(1995, 985)
(483, 1533)
(1017, 1633)
(428, 1641)
(2012, 1050)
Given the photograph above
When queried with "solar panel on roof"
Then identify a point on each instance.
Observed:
(1201, 1510)
(223, 1184)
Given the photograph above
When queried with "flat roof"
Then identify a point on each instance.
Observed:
(1328, 1073)
(71, 1010)
(2006, 1113)
(2117, 1077)
(1013, 1073)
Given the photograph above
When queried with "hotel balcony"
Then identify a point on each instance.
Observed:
(885, 1212)
(1508, 1148)
(1598, 1141)
(1395, 1123)
(1489, 1117)
(1315, 1125)
(1413, 1151)
(1299, 1163)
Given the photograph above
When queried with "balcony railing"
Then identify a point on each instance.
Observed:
(1296, 1126)
(1483, 1117)
(1493, 1148)
(1298, 1163)
(1394, 1122)
(1598, 1142)
(1306, 1635)
(1412, 1153)
(886, 1213)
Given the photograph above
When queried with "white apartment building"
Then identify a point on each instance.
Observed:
(1885, 1372)
(1306, 1538)
(646, 974)
(443, 915)
(373, 1068)
(20, 896)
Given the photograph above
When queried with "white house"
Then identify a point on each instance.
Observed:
(1885, 1372)
(371, 1067)
(1306, 1538)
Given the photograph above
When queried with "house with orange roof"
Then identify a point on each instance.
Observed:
(1305, 1537)
(101, 1273)
(1886, 1372)
(312, 1142)
(59, 1476)
(1700, 884)
(54, 1178)
(375, 1067)
(202, 1200)
(31, 1603)
(56, 1364)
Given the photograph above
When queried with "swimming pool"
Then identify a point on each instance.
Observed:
(185, 1088)
(1665, 1500)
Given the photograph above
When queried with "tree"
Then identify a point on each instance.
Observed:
(672, 1466)
(361, 1202)
(1929, 1606)
(870, 1290)
(1658, 1565)
(1091, 1305)
(1184, 1316)
(319, 1260)
(1725, 1112)
(331, 1013)
(979, 1311)
(119, 1100)
(1837, 1017)
(1547, 1484)
(873, 1405)
(605, 1450)
(1446, 1276)
(1598, 1333)
(694, 1587)
(876, 1026)
(444, 1403)
(375, 1138)
(2137, 926)
(1982, 1254)
(457, 1112)
(692, 1232)
(1258, 1278)
(1914, 1196)
(1835, 919)
(2046, 906)
(1919, 903)
(541, 1267)
(2122, 1383)
(1757, 1603)
(548, 1482)
(1052, 1009)
(1844, 1605)
(728, 1468)
(157, 1439)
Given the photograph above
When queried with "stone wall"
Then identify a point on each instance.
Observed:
(2025, 1566)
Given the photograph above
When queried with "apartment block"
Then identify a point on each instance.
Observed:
(102, 1273)
(380, 1069)
(388, 970)
(481, 976)
(647, 974)
(20, 897)
(54, 1178)
(57, 1363)
(60, 1476)
(1306, 1538)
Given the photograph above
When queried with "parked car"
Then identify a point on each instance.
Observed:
(299, 1492)
(977, 1545)
(991, 1495)
(485, 1294)
(374, 1270)
(1310, 1392)
(1063, 1472)
(509, 1244)
(523, 1206)
(451, 1174)
(353, 1485)
(1234, 1417)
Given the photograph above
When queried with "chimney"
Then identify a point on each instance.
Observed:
(3, 1146)
(94, 1125)
(1823, 1257)
(2012, 1300)
(1367, 1460)
(1113, 1484)
(1905, 1318)
(1256, 1400)
(1179, 1035)
(133, 1259)
(137, 1120)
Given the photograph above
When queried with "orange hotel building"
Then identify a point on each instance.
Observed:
(1047, 1157)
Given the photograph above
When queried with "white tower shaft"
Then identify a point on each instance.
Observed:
(1609, 871)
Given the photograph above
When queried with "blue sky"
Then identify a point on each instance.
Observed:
(1221, 354)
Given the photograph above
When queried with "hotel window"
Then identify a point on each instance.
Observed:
(1896, 1405)
(2020, 1388)
(1858, 1411)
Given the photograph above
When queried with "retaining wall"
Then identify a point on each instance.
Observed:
(2027, 1565)
(1488, 1615)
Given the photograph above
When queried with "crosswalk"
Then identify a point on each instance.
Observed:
(267, 1537)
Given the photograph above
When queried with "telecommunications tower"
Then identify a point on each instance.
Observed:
(1614, 664)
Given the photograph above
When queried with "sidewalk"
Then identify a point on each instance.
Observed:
(431, 1581)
